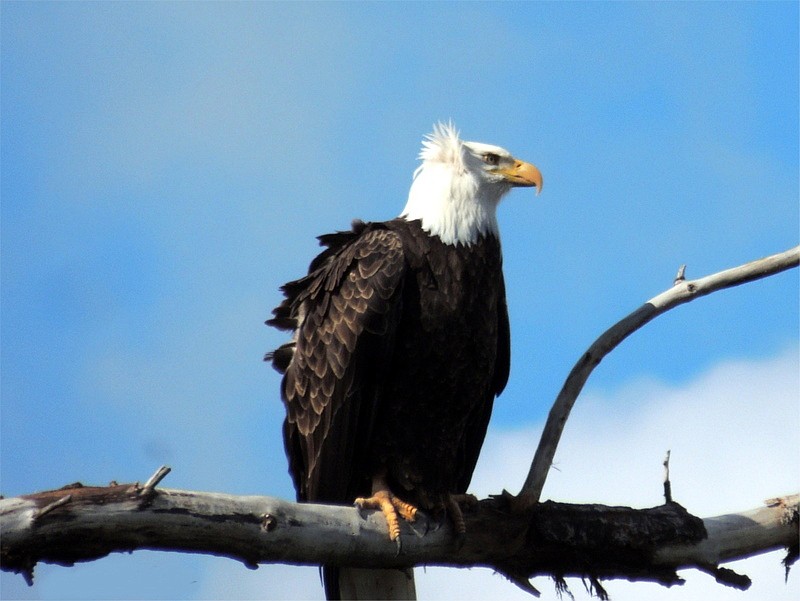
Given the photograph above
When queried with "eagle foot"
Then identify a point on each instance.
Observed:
(391, 507)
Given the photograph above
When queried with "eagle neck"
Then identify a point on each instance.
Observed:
(452, 205)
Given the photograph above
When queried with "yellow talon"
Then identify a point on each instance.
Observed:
(390, 506)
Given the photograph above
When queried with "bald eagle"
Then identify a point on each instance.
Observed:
(400, 342)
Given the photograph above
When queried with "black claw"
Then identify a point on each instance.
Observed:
(399, 545)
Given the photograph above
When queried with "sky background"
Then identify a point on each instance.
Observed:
(166, 167)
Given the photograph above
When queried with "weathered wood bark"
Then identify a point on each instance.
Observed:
(520, 540)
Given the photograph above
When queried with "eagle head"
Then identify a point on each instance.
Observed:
(459, 184)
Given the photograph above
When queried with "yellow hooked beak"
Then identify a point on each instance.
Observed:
(523, 174)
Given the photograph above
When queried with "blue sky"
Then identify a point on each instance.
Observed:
(166, 167)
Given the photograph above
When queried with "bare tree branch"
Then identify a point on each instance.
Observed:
(81, 523)
(681, 292)
(517, 536)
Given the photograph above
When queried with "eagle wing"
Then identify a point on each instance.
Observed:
(343, 314)
(477, 426)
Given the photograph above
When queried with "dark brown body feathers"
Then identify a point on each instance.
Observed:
(401, 343)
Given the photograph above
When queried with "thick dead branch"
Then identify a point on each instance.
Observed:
(681, 292)
(82, 523)
(516, 536)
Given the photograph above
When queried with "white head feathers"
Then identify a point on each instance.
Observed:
(443, 145)
(459, 184)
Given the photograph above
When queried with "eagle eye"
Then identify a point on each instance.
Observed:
(491, 158)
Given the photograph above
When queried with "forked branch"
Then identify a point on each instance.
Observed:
(513, 535)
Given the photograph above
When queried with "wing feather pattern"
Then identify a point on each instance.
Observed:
(342, 315)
